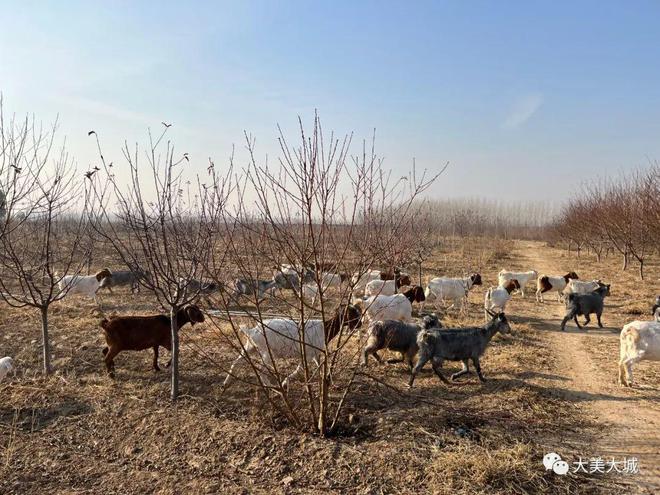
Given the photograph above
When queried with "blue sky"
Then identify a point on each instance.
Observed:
(525, 98)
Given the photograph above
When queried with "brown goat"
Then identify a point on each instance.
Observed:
(137, 333)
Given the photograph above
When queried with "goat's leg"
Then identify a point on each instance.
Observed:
(421, 361)
(477, 365)
(600, 323)
(576, 321)
(569, 316)
(155, 363)
(464, 371)
(437, 366)
(293, 375)
(628, 364)
(539, 296)
(109, 361)
(587, 320)
(623, 373)
(408, 357)
(370, 348)
(241, 357)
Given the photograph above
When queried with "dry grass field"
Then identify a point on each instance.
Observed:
(80, 432)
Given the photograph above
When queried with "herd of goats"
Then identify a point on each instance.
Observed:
(381, 300)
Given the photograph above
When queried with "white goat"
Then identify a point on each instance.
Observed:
(558, 283)
(359, 283)
(580, 287)
(280, 339)
(87, 285)
(380, 287)
(523, 278)
(450, 289)
(638, 340)
(330, 280)
(381, 308)
(6, 365)
(496, 298)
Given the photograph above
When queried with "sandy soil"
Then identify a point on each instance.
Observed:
(630, 418)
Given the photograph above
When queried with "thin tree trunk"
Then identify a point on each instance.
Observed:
(625, 261)
(323, 400)
(46, 340)
(174, 393)
(641, 269)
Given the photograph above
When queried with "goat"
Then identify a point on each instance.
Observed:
(523, 278)
(257, 288)
(396, 336)
(87, 285)
(656, 309)
(585, 304)
(453, 289)
(359, 282)
(396, 307)
(196, 286)
(6, 365)
(558, 283)
(638, 340)
(497, 297)
(280, 338)
(137, 333)
(582, 287)
(457, 344)
(121, 278)
(387, 287)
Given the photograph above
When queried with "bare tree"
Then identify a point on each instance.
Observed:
(44, 220)
(317, 210)
(161, 224)
(620, 214)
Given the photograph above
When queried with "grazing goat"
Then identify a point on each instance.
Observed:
(6, 365)
(656, 309)
(452, 289)
(639, 340)
(259, 288)
(396, 336)
(137, 333)
(523, 278)
(585, 304)
(87, 285)
(396, 307)
(387, 287)
(123, 278)
(280, 338)
(201, 287)
(497, 297)
(546, 283)
(582, 287)
(359, 282)
(457, 344)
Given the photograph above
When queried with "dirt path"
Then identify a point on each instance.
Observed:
(630, 418)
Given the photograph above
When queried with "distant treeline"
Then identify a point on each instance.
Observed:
(490, 217)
